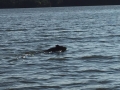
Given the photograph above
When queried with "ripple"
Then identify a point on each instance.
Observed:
(103, 89)
(58, 58)
(96, 57)
(93, 71)
(104, 81)
(15, 30)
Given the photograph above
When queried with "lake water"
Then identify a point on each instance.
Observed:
(91, 35)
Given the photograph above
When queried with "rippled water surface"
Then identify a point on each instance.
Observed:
(92, 38)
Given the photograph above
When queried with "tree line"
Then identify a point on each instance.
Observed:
(54, 3)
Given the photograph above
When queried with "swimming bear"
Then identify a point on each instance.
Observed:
(57, 48)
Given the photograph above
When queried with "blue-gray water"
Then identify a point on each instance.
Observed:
(91, 35)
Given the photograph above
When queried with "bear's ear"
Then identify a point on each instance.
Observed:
(57, 45)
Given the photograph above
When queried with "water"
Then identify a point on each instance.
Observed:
(91, 35)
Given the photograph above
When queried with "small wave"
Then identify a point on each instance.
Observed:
(57, 58)
(114, 35)
(97, 57)
(34, 87)
(9, 29)
(103, 89)
(93, 70)
(105, 81)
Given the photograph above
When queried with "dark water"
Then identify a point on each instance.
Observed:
(92, 38)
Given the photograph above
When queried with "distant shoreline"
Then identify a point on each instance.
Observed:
(56, 6)
(54, 3)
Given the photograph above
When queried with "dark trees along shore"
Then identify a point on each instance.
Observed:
(54, 3)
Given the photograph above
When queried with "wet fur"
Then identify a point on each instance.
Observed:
(57, 48)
